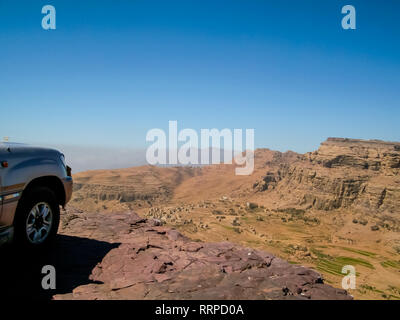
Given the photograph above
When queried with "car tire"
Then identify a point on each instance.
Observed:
(37, 218)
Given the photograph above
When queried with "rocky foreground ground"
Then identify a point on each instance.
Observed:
(123, 256)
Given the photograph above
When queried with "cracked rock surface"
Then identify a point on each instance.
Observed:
(147, 261)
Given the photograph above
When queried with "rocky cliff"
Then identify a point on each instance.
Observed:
(342, 173)
(372, 155)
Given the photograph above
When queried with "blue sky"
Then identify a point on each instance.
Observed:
(112, 70)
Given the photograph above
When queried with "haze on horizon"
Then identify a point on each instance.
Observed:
(113, 70)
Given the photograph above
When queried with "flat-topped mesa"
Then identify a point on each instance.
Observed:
(373, 144)
(362, 154)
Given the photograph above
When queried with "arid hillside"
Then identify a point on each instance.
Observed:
(337, 206)
(147, 186)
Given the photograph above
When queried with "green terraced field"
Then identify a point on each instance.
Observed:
(334, 265)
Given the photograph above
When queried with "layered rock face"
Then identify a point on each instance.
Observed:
(373, 155)
(150, 261)
(342, 173)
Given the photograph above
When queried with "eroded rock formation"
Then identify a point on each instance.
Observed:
(341, 173)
